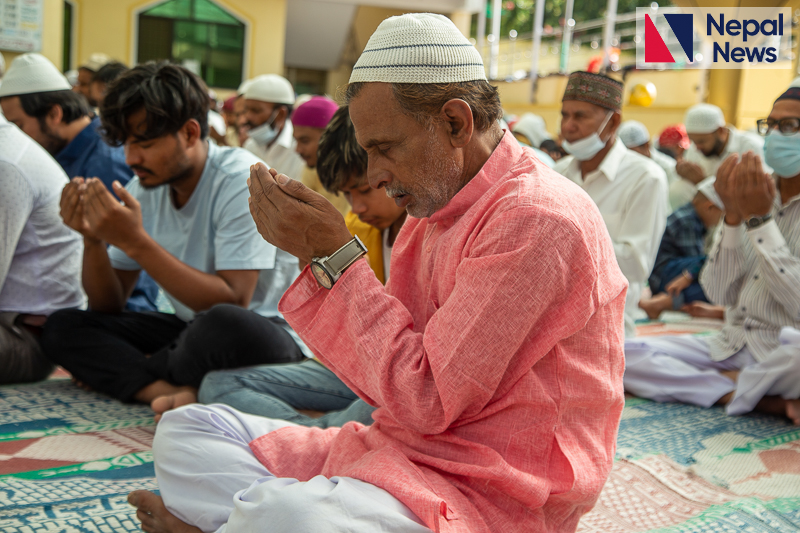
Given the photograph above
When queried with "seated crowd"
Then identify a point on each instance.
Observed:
(404, 359)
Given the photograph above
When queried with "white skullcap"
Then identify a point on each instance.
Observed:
(633, 133)
(243, 87)
(707, 188)
(96, 62)
(32, 73)
(703, 118)
(270, 88)
(533, 127)
(72, 77)
(418, 48)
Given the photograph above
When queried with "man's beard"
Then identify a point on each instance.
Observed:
(435, 182)
(52, 142)
(717, 150)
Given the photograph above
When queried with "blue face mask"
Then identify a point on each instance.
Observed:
(782, 153)
(265, 133)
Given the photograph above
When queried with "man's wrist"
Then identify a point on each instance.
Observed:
(732, 220)
(138, 247)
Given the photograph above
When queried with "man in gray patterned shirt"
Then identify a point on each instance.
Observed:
(754, 270)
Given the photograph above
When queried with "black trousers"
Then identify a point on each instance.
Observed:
(119, 354)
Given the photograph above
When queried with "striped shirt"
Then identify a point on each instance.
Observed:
(756, 274)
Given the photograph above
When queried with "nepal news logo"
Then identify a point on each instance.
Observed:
(734, 38)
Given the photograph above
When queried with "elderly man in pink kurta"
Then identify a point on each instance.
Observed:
(493, 355)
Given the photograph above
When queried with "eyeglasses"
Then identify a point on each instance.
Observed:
(787, 126)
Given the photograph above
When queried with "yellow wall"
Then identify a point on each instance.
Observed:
(364, 25)
(743, 95)
(107, 26)
(52, 33)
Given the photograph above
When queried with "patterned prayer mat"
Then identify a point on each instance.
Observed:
(68, 459)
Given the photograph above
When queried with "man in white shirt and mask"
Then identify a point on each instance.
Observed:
(268, 105)
(712, 142)
(629, 189)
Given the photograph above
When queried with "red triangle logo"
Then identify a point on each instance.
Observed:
(655, 50)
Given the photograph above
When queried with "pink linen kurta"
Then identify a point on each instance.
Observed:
(494, 354)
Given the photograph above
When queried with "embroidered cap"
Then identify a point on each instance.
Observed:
(418, 48)
(595, 89)
(792, 93)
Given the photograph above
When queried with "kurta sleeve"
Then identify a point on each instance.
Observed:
(525, 259)
(723, 275)
(781, 268)
(16, 205)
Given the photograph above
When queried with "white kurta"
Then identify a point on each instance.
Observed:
(631, 192)
(281, 155)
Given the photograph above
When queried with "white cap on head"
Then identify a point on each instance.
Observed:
(243, 87)
(533, 127)
(707, 188)
(32, 73)
(704, 118)
(96, 62)
(633, 133)
(418, 48)
(270, 88)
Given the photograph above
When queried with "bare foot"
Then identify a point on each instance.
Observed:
(159, 388)
(311, 414)
(154, 516)
(656, 305)
(793, 411)
(162, 404)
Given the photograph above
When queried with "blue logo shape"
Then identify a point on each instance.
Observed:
(682, 26)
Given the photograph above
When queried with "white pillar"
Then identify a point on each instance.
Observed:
(495, 53)
(538, 21)
(566, 40)
(608, 33)
(480, 42)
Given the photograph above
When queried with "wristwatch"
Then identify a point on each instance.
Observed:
(754, 222)
(329, 269)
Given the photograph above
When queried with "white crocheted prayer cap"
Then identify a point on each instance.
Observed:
(96, 62)
(270, 88)
(418, 48)
(32, 73)
(633, 133)
(707, 188)
(703, 118)
(533, 127)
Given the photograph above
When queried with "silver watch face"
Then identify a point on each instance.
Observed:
(322, 276)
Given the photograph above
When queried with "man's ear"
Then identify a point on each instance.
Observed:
(614, 122)
(54, 117)
(191, 132)
(457, 116)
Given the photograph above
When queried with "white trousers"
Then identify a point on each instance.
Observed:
(209, 478)
(679, 369)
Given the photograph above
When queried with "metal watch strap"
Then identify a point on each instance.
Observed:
(754, 222)
(345, 256)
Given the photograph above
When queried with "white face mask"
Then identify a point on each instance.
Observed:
(265, 133)
(588, 147)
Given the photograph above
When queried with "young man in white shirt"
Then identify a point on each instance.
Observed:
(185, 221)
(629, 189)
(268, 102)
(40, 258)
(289, 392)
